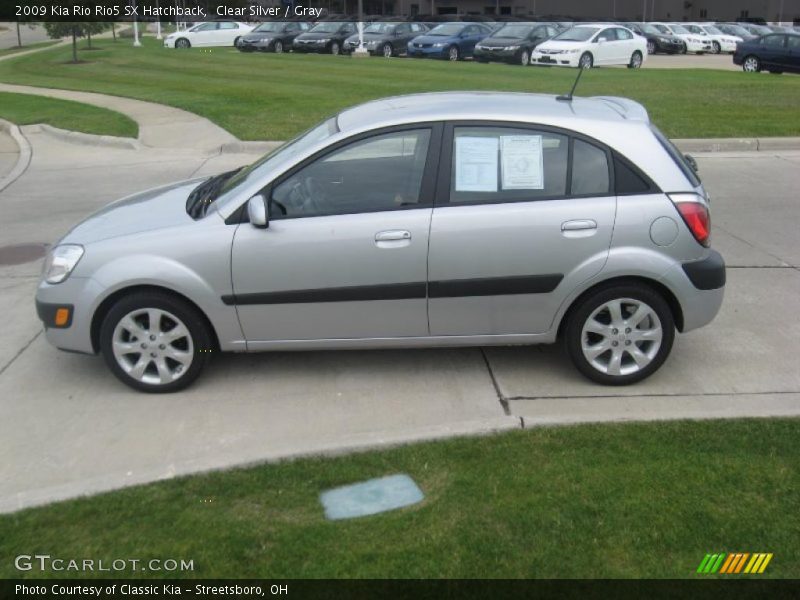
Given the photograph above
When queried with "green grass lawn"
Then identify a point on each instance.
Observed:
(25, 109)
(620, 500)
(272, 97)
(25, 47)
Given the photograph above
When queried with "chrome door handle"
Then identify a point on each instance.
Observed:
(392, 235)
(578, 225)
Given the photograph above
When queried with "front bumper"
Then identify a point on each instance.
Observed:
(669, 47)
(727, 46)
(252, 46)
(310, 46)
(496, 55)
(698, 47)
(81, 296)
(430, 52)
(169, 43)
(555, 60)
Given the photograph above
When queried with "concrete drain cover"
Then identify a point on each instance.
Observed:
(370, 497)
(17, 254)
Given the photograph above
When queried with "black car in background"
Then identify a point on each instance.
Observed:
(776, 53)
(657, 41)
(735, 29)
(272, 36)
(386, 38)
(325, 37)
(514, 42)
(755, 28)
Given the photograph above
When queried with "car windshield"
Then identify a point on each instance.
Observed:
(517, 32)
(651, 30)
(679, 29)
(695, 29)
(736, 30)
(447, 29)
(270, 27)
(380, 28)
(712, 30)
(328, 27)
(283, 153)
(577, 34)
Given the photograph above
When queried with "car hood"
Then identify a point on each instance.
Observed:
(318, 36)
(369, 37)
(154, 209)
(261, 35)
(503, 41)
(560, 45)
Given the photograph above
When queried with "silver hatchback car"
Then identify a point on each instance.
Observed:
(443, 219)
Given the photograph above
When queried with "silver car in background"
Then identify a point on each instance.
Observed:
(443, 219)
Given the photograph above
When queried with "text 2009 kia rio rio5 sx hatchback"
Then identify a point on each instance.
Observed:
(441, 219)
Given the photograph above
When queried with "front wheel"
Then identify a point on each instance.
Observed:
(636, 60)
(155, 342)
(278, 47)
(751, 64)
(586, 61)
(183, 43)
(387, 50)
(620, 334)
(525, 58)
(335, 48)
(716, 48)
(651, 47)
(453, 53)
(236, 42)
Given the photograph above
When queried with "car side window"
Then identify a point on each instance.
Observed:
(773, 41)
(794, 42)
(206, 27)
(228, 25)
(416, 28)
(383, 172)
(589, 170)
(499, 164)
(623, 34)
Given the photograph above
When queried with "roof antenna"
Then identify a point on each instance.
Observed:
(568, 97)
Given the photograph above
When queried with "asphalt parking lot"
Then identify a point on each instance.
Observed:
(67, 427)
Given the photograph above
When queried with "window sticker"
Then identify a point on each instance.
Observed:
(523, 163)
(476, 164)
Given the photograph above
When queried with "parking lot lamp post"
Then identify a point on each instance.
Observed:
(644, 11)
(158, 23)
(361, 50)
(136, 42)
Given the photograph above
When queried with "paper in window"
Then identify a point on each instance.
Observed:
(522, 166)
(476, 164)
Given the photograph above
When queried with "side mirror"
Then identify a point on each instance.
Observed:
(692, 162)
(258, 211)
(601, 40)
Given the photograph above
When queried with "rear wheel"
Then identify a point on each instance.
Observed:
(586, 61)
(155, 342)
(651, 47)
(636, 60)
(278, 47)
(387, 50)
(453, 53)
(751, 64)
(335, 48)
(236, 42)
(525, 58)
(716, 48)
(620, 334)
(684, 49)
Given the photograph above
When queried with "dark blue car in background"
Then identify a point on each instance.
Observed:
(776, 53)
(452, 41)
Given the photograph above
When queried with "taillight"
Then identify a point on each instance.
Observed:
(695, 215)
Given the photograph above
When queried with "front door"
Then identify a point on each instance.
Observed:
(345, 252)
(512, 232)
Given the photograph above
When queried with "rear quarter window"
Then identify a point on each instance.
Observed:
(677, 157)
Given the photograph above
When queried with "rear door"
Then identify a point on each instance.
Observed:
(772, 50)
(793, 46)
(522, 214)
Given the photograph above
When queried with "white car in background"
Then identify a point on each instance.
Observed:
(694, 42)
(592, 45)
(720, 41)
(210, 33)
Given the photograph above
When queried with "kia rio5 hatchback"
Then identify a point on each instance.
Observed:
(445, 219)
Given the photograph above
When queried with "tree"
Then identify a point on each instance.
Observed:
(62, 29)
(94, 27)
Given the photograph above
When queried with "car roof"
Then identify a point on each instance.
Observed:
(492, 106)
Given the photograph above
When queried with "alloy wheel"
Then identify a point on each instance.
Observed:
(387, 50)
(586, 61)
(152, 346)
(621, 337)
(525, 58)
(452, 54)
(335, 49)
(278, 47)
(751, 64)
(716, 47)
(636, 60)
(651, 48)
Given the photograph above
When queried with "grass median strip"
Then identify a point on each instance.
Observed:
(273, 97)
(26, 47)
(612, 500)
(26, 109)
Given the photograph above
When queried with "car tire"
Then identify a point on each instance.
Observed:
(651, 47)
(524, 58)
(586, 61)
(684, 49)
(453, 53)
(335, 48)
(236, 42)
(751, 64)
(148, 356)
(716, 48)
(387, 51)
(605, 343)
(183, 43)
(636, 60)
(277, 47)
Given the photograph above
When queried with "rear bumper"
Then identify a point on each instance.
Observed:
(708, 273)
(699, 287)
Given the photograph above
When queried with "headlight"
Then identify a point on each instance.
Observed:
(511, 48)
(60, 262)
(439, 44)
(478, 47)
(324, 41)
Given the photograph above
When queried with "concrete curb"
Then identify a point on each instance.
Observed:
(85, 139)
(25, 154)
(738, 144)
(359, 443)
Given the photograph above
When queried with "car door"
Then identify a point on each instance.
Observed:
(204, 34)
(472, 35)
(345, 253)
(605, 50)
(772, 50)
(512, 232)
(793, 48)
(226, 34)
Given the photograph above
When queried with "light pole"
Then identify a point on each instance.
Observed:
(136, 42)
(158, 23)
(361, 50)
(644, 11)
